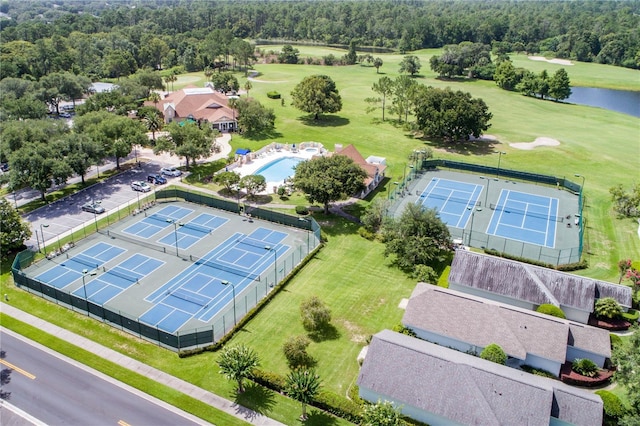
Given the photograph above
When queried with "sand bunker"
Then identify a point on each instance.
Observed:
(551, 61)
(538, 142)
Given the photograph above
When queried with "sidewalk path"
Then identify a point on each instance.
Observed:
(200, 394)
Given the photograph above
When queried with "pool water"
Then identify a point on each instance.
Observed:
(278, 170)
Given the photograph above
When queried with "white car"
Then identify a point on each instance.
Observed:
(170, 171)
(140, 186)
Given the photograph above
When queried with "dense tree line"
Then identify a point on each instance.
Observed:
(102, 39)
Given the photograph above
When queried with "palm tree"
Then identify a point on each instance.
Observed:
(303, 385)
(155, 98)
(171, 78)
(238, 363)
(153, 121)
(248, 86)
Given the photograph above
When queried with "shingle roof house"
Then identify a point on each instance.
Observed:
(469, 324)
(530, 286)
(374, 167)
(203, 104)
(440, 386)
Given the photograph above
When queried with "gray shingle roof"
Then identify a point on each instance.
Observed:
(467, 389)
(534, 284)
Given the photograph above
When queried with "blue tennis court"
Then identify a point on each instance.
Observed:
(187, 234)
(199, 292)
(525, 217)
(117, 279)
(453, 200)
(72, 268)
(156, 222)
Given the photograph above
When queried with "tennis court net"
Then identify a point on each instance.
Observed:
(189, 297)
(215, 265)
(160, 218)
(452, 199)
(78, 259)
(199, 228)
(253, 243)
(506, 209)
(121, 275)
(132, 240)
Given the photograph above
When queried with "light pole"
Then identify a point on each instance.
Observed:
(275, 263)
(38, 241)
(500, 153)
(175, 232)
(95, 215)
(473, 213)
(581, 197)
(582, 187)
(486, 193)
(44, 247)
(233, 287)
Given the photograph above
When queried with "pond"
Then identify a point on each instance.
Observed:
(624, 101)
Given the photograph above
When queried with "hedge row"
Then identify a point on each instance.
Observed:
(565, 268)
(273, 95)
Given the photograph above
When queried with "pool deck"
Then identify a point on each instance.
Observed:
(248, 164)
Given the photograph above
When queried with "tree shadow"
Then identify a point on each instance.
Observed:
(324, 120)
(317, 417)
(480, 146)
(457, 79)
(255, 397)
(308, 362)
(328, 332)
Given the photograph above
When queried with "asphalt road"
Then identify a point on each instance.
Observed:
(58, 391)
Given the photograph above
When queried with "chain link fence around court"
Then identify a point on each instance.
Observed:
(401, 189)
(254, 294)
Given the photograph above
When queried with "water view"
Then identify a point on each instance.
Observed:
(624, 101)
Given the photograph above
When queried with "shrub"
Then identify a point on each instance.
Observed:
(273, 95)
(631, 316)
(552, 310)
(585, 367)
(538, 372)
(399, 328)
(613, 407)
(315, 314)
(366, 234)
(269, 380)
(302, 210)
(494, 353)
(607, 307)
(295, 350)
(338, 406)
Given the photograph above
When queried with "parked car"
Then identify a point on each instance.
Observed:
(93, 207)
(140, 186)
(156, 179)
(170, 171)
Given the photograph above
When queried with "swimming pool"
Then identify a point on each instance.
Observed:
(278, 170)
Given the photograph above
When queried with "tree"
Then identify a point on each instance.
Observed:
(614, 409)
(383, 413)
(253, 184)
(317, 94)
(315, 314)
(351, 57)
(227, 179)
(254, 118)
(494, 353)
(451, 115)
(418, 237)
(410, 64)
(505, 75)
(14, 231)
(385, 88)
(248, 86)
(119, 63)
(377, 62)
(117, 134)
(171, 78)
(187, 140)
(237, 363)
(627, 358)
(327, 179)
(375, 213)
(225, 82)
(295, 350)
(288, 55)
(404, 88)
(623, 266)
(153, 121)
(81, 152)
(303, 385)
(560, 85)
(607, 307)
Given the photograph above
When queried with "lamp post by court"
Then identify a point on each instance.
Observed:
(44, 248)
(275, 263)
(581, 187)
(308, 231)
(473, 213)
(95, 215)
(581, 197)
(486, 192)
(233, 287)
(175, 232)
(38, 241)
(500, 153)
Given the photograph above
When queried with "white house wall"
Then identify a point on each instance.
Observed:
(407, 410)
(575, 314)
(493, 296)
(543, 363)
(576, 353)
(445, 341)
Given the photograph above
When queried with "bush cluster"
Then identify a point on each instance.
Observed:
(339, 406)
(302, 210)
(585, 367)
(552, 310)
(613, 407)
(273, 95)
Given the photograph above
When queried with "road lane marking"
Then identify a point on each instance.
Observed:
(17, 369)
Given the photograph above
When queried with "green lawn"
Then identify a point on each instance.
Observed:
(350, 273)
